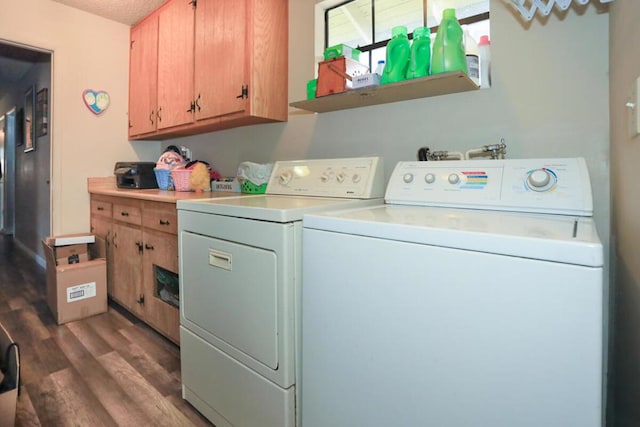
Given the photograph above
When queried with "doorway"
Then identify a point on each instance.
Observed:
(25, 74)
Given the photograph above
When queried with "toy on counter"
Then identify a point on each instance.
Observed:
(170, 159)
(200, 179)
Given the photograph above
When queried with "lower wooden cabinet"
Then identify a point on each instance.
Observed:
(160, 283)
(142, 258)
(126, 266)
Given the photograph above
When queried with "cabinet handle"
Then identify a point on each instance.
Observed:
(140, 299)
(151, 117)
(114, 241)
(192, 108)
(124, 213)
(100, 208)
(198, 102)
(244, 93)
(164, 222)
(139, 245)
(148, 246)
(158, 114)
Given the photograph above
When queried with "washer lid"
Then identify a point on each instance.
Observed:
(558, 238)
(272, 207)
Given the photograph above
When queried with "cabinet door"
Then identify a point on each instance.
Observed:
(100, 226)
(143, 76)
(126, 271)
(220, 58)
(161, 300)
(175, 64)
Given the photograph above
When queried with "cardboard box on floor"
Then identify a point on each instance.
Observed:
(79, 289)
(9, 358)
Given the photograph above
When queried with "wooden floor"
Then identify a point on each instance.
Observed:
(106, 370)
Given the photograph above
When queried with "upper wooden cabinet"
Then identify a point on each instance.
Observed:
(175, 63)
(143, 77)
(220, 57)
(220, 64)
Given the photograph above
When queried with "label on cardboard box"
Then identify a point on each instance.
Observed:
(80, 292)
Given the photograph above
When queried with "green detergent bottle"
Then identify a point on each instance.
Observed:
(398, 53)
(448, 49)
(420, 54)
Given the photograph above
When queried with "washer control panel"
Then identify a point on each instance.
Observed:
(357, 178)
(524, 185)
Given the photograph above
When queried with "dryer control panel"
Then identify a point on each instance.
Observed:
(354, 178)
(559, 186)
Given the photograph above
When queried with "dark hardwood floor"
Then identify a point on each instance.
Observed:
(106, 370)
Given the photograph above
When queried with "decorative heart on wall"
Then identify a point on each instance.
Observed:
(96, 101)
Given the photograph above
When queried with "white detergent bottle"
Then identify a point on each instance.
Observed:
(484, 49)
(473, 57)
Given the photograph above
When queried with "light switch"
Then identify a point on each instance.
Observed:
(633, 108)
(636, 99)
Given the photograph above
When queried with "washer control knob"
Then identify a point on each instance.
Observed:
(407, 177)
(285, 177)
(429, 178)
(356, 178)
(454, 178)
(324, 177)
(539, 179)
(340, 177)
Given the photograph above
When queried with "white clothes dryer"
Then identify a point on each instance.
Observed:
(240, 279)
(473, 297)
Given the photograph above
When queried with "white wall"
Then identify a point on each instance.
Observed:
(549, 99)
(625, 231)
(88, 53)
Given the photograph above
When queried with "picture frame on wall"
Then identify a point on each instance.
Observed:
(42, 112)
(29, 128)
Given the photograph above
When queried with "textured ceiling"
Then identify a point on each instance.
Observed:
(124, 11)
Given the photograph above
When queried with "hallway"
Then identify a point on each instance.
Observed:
(106, 370)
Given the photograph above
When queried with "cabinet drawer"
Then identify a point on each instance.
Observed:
(100, 207)
(127, 213)
(160, 216)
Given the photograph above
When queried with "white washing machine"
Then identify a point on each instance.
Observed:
(240, 275)
(473, 297)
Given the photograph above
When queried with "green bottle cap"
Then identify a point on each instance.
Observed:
(400, 30)
(449, 14)
(421, 32)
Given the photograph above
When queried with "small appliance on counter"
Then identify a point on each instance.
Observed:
(136, 175)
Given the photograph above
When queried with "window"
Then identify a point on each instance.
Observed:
(367, 24)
